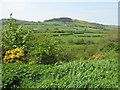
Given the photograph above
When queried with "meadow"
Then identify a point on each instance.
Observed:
(59, 54)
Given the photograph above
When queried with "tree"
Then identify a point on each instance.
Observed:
(13, 35)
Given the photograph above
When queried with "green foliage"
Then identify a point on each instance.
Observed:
(13, 36)
(111, 36)
(109, 46)
(55, 31)
(85, 51)
(61, 19)
(78, 32)
(75, 74)
(70, 41)
(88, 41)
(46, 50)
(81, 41)
(12, 74)
(67, 55)
(90, 51)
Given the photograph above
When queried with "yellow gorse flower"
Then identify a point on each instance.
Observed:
(14, 55)
(96, 57)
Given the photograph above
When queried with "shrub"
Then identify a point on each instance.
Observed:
(65, 34)
(11, 75)
(79, 41)
(13, 36)
(111, 36)
(55, 31)
(97, 36)
(79, 32)
(67, 55)
(14, 55)
(90, 51)
(111, 54)
(109, 46)
(87, 41)
(46, 50)
(56, 34)
(71, 41)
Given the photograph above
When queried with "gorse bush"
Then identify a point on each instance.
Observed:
(97, 57)
(14, 55)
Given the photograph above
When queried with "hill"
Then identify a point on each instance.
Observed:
(61, 19)
(18, 21)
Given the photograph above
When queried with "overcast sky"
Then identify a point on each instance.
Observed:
(101, 11)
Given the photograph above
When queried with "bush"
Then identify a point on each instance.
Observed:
(13, 36)
(67, 55)
(111, 36)
(90, 51)
(71, 41)
(97, 36)
(55, 31)
(12, 74)
(56, 34)
(65, 34)
(46, 50)
(87, 41)
(79, 32)
(14, 55)
(109, 46)
(79, 41)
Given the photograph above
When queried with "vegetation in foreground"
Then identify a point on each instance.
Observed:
(59, 54)
(75, 74)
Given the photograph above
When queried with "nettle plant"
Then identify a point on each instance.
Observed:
(13, 35)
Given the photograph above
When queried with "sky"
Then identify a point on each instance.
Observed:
(101, 11)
